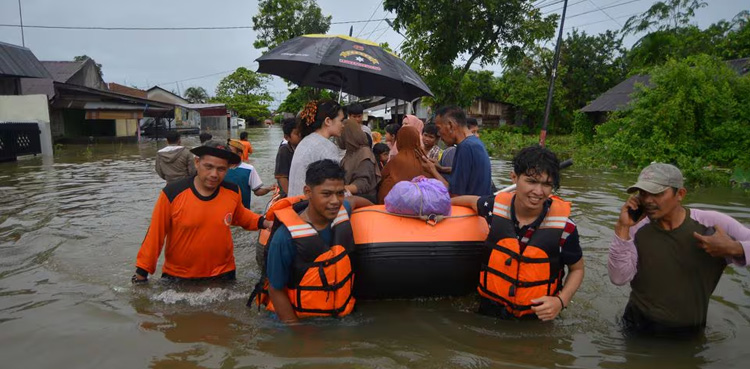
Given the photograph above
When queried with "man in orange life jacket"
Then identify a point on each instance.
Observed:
(193, 215)
(531, 240)
(308, 267)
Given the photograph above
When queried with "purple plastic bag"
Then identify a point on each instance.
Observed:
(420, 196)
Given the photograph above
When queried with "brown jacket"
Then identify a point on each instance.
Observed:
(174, 162)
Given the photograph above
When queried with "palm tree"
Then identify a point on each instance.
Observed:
(196, 95)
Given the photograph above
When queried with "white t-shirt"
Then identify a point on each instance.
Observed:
(254, 181)
(312, 148)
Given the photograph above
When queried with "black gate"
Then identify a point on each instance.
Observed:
(18, 139)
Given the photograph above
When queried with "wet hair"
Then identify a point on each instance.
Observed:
(380, 148)
(322, 170)
(454, 112)
(431, 129)
(537, 160)
(472, 122)
(355, 108)
(172, 137)
(205, 137)
(315, 113)
(288, 125)
(243, 135)
(392, 129)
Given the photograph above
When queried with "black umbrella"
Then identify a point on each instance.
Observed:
(355, 66)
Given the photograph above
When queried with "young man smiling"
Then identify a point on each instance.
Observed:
(530, 243)
(193, 215)
(308, 268)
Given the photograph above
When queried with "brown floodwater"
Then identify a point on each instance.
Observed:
(70, 228)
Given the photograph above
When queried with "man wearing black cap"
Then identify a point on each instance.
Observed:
(670, 254)
(193, 215)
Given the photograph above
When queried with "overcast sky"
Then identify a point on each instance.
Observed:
(180, 59)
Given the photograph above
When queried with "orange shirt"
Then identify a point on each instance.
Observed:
(198, 238)
(247, 151)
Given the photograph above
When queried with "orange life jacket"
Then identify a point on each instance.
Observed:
(321, 277)
(286, 202)
(514, 274)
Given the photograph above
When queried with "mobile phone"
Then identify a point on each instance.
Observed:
(709, 231)
(636, 214)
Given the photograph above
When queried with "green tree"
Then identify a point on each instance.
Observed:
(281, 20)
(443, 45)
(736, 44)
(696, 114)
(84, 57)
(196, 95)
(663, 15)
(299, 96)
(524, 84)
(244, 91)
(593, 65)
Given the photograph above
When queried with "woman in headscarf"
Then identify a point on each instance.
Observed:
(413, 121)
(359, 163)
(406, 164)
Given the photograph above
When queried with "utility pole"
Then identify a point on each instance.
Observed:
(551, 90)
(20, 15)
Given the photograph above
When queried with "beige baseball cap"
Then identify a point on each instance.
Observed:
(658, 177)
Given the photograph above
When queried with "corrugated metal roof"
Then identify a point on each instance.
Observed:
(38, 86)
(62, 71)
(618, 97)
(741, 66)
(203, 106)
(17, 61)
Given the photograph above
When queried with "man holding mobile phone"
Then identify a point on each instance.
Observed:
(668, 254)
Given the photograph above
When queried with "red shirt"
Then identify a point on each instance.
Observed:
(198, 238)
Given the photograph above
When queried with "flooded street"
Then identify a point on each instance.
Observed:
(70, 230)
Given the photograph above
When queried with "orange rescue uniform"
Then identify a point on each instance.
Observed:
(248, 149)
(198, 238)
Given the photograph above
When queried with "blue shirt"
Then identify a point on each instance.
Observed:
(471, 173)
(447, 160)
(282, 251)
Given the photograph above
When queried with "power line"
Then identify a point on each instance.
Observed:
(605, 13)
(198, 77)
(558, 9)
(606, 7)
(381, 35)
(368, 21)
(376, 28)
(600, 21)
(203, 28)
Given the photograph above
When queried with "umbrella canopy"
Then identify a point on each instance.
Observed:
(355, 66)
